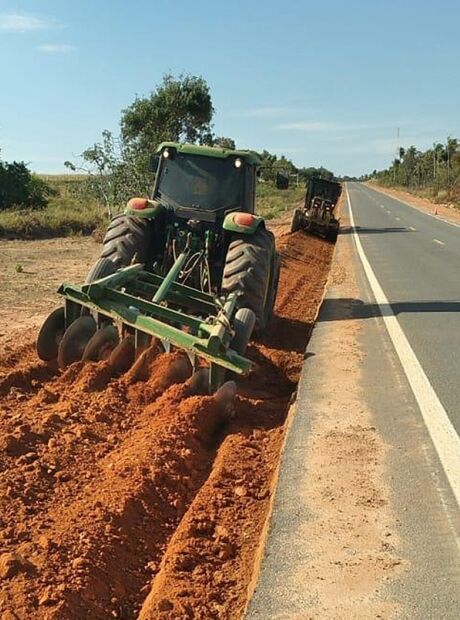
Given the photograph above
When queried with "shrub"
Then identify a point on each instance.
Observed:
(20, 188)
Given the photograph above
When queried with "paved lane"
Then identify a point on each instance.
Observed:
(416, 259)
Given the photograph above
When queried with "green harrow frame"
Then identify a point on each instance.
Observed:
(148, 305)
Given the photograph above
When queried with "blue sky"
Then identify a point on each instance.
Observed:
(325, 83)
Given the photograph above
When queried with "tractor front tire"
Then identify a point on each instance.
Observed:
(297, 220)
(250, 273)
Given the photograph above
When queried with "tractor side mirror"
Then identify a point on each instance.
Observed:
(282, 180)
(153, 163)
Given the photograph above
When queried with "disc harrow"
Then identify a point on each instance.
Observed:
(119, 315)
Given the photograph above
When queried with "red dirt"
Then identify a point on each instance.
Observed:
(129, 495)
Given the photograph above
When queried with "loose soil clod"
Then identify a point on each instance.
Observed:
(132, 496)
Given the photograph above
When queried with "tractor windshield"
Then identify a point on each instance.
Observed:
(201, 182)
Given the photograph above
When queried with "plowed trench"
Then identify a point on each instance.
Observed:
(131, 497)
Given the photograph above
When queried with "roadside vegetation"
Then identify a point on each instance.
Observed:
(116, 168)
(272, 202)
(69, 210)
(432, 174)
(75, 213)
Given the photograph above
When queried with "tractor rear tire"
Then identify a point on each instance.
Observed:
(249, 271)
(297, 220)
(127, 237)
(275, 282)
(102, 267)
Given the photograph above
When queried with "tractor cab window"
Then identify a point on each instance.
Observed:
(201, 182)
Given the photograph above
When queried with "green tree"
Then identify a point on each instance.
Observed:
(180, 109)
(437, 170)
(114, 172)
(224, 143)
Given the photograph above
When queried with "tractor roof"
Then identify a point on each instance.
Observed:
(250, 157)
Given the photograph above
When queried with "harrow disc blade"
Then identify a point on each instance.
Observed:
(75, 339)
(50, 335)
(199, 381)
(101, 344)
(122, 357)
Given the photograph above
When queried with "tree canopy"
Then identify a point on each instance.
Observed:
(436, 169)
(180, 110)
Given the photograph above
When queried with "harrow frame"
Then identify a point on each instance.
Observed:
(149, 305)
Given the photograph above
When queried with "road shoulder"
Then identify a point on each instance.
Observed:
(360, 492)
(441, 211)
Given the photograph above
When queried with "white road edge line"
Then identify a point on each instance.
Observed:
(444, 437)
(440, 242)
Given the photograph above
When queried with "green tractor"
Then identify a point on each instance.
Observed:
(192, 267)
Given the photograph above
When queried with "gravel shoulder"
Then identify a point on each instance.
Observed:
(447, 212)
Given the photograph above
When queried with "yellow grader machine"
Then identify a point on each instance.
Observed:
(318, 213)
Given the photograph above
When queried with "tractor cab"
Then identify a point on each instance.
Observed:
(210, 182)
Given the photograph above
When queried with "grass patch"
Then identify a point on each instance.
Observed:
(66, 214)
(61, 218)
(272, 202)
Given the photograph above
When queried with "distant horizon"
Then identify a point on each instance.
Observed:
(325, 86)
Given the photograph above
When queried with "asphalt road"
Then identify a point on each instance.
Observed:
(416, 260)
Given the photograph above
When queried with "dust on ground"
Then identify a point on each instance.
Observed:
(30, 273)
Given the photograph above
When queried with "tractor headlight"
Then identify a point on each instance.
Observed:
(169, 152)
(238, 162)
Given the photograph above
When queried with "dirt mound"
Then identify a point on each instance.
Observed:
(127, 495)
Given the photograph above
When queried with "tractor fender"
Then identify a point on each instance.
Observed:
(143, 207)
(242, 222)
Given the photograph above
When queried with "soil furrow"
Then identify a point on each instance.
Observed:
(208, 567)
(130, 496)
